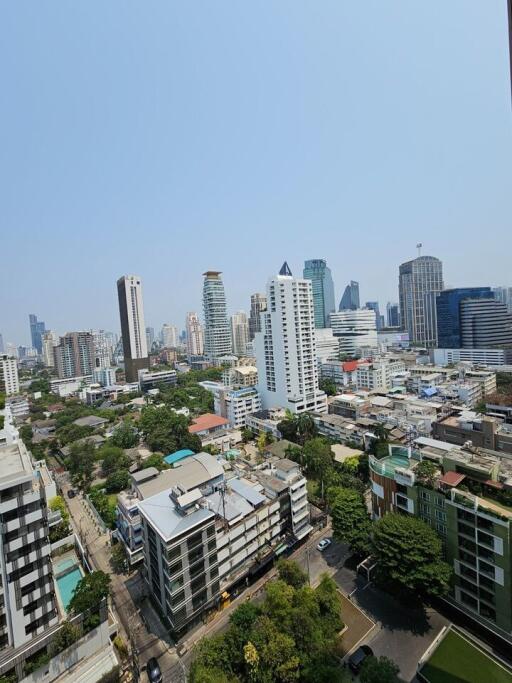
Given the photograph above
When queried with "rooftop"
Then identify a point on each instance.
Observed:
(16, 463)
(161, 512)
(206, 422)
(194, 472)
(90, 421)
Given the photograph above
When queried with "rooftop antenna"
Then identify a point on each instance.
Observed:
(418, 247)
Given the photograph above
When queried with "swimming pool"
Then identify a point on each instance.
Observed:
(65, 564)
(66, 584)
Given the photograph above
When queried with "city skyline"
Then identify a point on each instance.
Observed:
(130, 153)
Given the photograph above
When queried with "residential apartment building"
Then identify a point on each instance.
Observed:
(50, 339)
(205, 533)
(195, 335)
(481, 431)
(490, 357)
(343, 373)
(322, 287)
(240, 376)
(236, 404)
(258, 305)
(286, 349)
(9, 381)
(356, 331)
(133, 327)
(74, 355)
(467, 503)
(103, 348)
(217, 334)
(350, 299)
(169, 336)
(239, 333)
(153, 380)
(378, 374)
(327, 345)
(420, 281)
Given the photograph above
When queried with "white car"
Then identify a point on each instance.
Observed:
(324, 543)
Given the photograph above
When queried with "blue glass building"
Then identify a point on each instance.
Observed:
(448, 304)
(318, 272)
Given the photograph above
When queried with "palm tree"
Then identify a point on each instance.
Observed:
(306, 427)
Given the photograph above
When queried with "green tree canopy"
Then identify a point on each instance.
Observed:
(381, 670)
(328, 385)
(113, 458)
(291, 573)
(317, 455)
(90, 591)
(350, 519)
(117, 481)
(409, 556)
(166, 431)
(80, 462)
(125, 435)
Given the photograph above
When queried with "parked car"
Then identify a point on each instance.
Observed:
(324, 543)
(153, 669)
(356, 659)
(71, 493)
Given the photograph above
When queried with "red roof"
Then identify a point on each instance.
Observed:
(494, 484)
(452, 478)
(206, 422)
(350, 366)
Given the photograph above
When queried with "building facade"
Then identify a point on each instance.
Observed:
(236, 404)
(217, 334)
(356, 330)
(258, 305)
(74, 355)
(322, 284)
(9, 381)
(485, 323)
(195, 335)
(169, 336)
(350, 299)
(50, 339)
(37, 329)
(286, 349)
(448, 313)
(239, 333)
(420, 281)
(392, 315)
(133, 327)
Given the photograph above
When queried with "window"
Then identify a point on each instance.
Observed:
(424, 495)
(176, 567)
(465, 529)
(469, 600)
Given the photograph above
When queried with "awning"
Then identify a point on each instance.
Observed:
(280, 549)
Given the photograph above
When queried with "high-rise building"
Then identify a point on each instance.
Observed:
(285, 347)
(28, 606)
(37, 329)
(9, 382)
(485, 324)
(133, 328)
(356, 330)
(50, 341)
(150, 337)
(1, 344)
(194, 333)
(350, 299)
(448, 313)
(217, 334)
(239, 333)
(318, 272)
(74, 355)
(103, 348)
(258, 305)
(392, 315)
(504, 294)
(379, 319)
(169, 336)
(420, 281)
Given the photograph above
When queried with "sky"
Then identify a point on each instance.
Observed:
(169, 138)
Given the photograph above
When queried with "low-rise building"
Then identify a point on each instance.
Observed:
(378, 374)
(152, 380)
(481, 431)
(266, 421)
(240, 376)
(236, 404)
(207, 425)
(342, 373)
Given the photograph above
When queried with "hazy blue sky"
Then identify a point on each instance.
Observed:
(167, 138)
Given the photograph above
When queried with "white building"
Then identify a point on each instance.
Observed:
(327, 345)
(217, 334)
(492, 357)
(356, 330)
(103, 348)
(286, 349)
(104, 376)
(378, 374)
(169, 336)
(195, 335)
(239, 333)
(236, 404)
(152, 380)
(50, 339)
(9, 382)
(133, 327)
(240, 376)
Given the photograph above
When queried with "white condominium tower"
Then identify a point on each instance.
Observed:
(169, 336)
(239, 333)
(195, 336)
(9, 382)
(217, 335)
(286, 349)
(133, 328)
(420, 281)
(258, 305)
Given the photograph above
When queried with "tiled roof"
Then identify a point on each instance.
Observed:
(207, 421)
(452, 478)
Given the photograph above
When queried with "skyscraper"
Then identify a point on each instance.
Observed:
(150, 337)
(448, 310)
(239, 333)
(420, 281)
(133, 328)
(392, 315)
(103, 348)
(357, 331)
(9, 382)
(169, 336)
(74, 355)
(285, 347)
(258, 305)
(50, 341)
(195, 336)
(485, 323)
(217, 334)
(317, 271)
(1, 344)
(504, 294)
(374, 306)
(350, 299)
(37, 329)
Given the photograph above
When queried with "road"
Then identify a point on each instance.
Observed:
(147, 641)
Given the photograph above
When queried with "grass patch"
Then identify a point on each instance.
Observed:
(456, 660)
(313, 488)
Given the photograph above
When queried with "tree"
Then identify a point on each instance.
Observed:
(166, 431)
(291, 573)
(350, 520)
(247, 435)
(118, 559)
(154, 460)
(113, 458)
(89, 593)
(317, 456)
(117, 481)
(57, 504)
(381, 670)
(328, 385)
(125, 435)
(409, 556)
(80, 462)
(71, 432)
(306, 427)
(426, 472)
(261, 443)
(64, 638)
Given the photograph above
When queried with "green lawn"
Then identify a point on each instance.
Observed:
(456, 660)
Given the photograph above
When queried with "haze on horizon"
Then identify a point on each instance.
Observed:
(171, 138)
